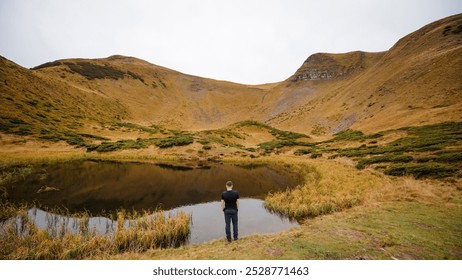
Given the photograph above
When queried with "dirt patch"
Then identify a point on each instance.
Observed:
(350, 234)
(274, 252)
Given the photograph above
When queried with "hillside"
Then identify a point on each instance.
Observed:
(416, 82)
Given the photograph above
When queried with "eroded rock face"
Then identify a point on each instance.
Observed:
(318, 66)
(323, 66)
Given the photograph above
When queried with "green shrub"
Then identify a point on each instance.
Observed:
(204, 141)
(385, 158)
(119, 145)
(48, 64)
(421, 170)
(15, 126)
(276, 144)
(300, 152)
(176, 140)
(348, 135)
(151, 129)
(279, 134)
(93, 71)
(444, 156)
(315, 155)
(96, 137)
(354, 135)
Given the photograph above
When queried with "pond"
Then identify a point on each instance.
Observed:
(102, 187)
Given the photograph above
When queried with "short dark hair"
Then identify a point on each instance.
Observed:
(229, 184)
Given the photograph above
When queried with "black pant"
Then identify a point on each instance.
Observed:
(231, 216)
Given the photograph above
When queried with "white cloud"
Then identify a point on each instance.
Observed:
(242, 40)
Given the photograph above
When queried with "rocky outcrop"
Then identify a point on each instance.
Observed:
(324, 66)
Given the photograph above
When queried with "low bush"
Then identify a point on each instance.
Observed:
(16, 126)
(175, 140)
(93, 71)
(450, 156)
(422, 170)
(151, 129)
(300, 152)
(119, 145)
(48, 64)
(315, 155)
(385, 158)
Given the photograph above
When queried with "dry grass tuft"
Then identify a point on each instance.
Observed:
(22, 239)
(327, 188)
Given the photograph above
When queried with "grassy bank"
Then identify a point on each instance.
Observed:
(394, 230)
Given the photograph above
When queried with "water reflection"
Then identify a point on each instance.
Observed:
(207, 221)
(105, 187)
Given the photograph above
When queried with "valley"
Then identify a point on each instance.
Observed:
(375, 137)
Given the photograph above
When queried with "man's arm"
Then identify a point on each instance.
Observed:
(222, 204)
(237, 203)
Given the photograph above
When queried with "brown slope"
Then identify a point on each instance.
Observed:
(416, 82)
(33, 103)
(153, 94)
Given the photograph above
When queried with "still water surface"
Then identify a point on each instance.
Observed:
(101, 187)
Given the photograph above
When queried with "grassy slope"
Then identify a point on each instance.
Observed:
(416, 82)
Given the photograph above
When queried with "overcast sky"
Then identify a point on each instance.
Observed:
(242, 41)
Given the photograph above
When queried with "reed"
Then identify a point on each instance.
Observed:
(135, 232)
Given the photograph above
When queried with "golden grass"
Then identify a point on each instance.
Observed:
(22, 239)
(328, 187)
(39, 157)
(331, 187)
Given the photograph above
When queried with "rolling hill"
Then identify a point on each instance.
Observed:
(416, 82)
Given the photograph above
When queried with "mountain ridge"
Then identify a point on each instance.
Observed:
(415, 82)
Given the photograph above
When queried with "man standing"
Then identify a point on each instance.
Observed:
(230, 205)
